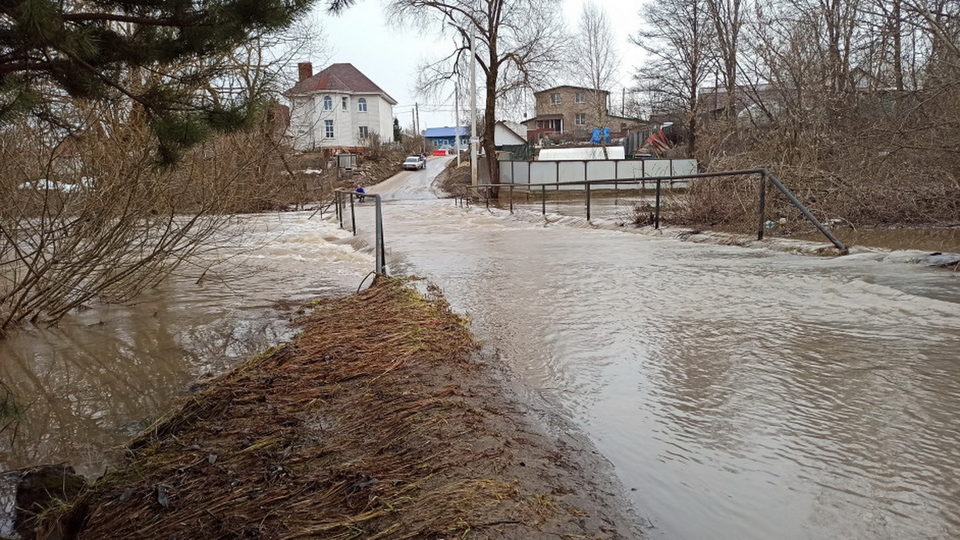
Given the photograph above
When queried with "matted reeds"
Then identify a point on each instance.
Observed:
(375, 422)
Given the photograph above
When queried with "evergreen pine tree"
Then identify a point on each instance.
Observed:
(153, 54)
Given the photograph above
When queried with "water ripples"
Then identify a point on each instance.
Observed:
(742, 393)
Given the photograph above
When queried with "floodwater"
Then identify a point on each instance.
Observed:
(97, 378)
(738, 393)
(929, 239)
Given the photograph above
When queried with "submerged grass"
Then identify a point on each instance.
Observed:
(374, 422)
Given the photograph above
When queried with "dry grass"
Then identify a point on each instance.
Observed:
(373, 423)
(454, 180)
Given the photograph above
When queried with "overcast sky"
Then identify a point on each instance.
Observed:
(390, 55)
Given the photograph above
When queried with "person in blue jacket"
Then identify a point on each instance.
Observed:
(360, 193)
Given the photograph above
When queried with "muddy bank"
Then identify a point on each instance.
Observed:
(454, 180)
(376, 421)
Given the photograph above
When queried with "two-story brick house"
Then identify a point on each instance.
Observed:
(572, 112)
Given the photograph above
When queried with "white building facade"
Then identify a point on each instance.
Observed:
(338, 108)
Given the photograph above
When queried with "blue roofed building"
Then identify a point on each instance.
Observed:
(445, 137)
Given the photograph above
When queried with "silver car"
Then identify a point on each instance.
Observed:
(416, 162)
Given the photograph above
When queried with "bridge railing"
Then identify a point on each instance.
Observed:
(764, 180)
(341, 197)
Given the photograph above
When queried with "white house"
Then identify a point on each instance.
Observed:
(337, 108)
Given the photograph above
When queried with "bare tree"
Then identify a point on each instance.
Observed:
(679, 38)
(519, 44)
(728, 16)
(86, 215)
(594, 58)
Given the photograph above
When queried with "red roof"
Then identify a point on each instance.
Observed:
(339, 78)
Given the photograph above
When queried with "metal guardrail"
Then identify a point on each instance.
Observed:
(340, 201)
(765, 179)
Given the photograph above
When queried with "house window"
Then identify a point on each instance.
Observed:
(362, 104)
(328, 129)
(363, 132)
(550, 125)
(327, 103)
(555, 98)
(581, 119)
(343, 103)
(581, 97)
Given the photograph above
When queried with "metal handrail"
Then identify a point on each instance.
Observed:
(765, 178)
(380, 267)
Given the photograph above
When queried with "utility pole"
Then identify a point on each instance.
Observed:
(623, 102)
(416, 107)
(473, 109)
(413, 122)
(456, 119)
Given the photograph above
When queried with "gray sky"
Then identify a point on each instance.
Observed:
(390, 55)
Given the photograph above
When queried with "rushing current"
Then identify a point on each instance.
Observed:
(737, 392)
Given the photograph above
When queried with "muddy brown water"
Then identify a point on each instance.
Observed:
(742, 393)
(738, 393)
(102, 374)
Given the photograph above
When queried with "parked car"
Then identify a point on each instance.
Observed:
(415, 162)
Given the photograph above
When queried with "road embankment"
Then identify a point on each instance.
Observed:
(376, 421)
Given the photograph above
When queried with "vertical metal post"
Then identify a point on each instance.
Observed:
(588, 202)
(656, 216)
(511, 198)
(763, 205)
(543, 199)
(353, 216)
(339, 209)
(474, 138)
(380, 252)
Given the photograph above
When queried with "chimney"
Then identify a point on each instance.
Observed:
(306, 70)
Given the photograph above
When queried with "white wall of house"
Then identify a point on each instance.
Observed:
(503, 135)
(309, 119)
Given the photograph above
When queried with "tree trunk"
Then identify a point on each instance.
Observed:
(731, 67)
(489, 126)
(897, 46)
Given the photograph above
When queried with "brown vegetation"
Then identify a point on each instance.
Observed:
(375, 423)
(91, 216)
(852, 104)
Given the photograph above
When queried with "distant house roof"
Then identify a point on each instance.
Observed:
(568, 86)
(339, 78)
(445, 132)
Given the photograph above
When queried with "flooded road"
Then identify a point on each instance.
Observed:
(103, 374)
(739, 393)
(931, 239)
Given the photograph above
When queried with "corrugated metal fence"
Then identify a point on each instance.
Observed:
(554, 172)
